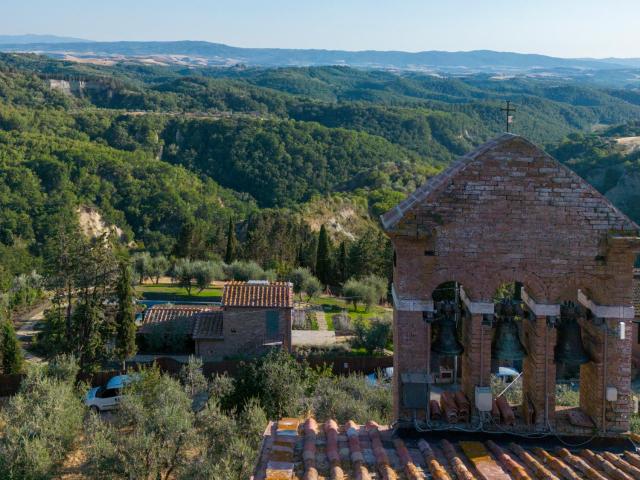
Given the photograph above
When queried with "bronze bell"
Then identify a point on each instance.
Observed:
(569, 347)
(506, 342)
(446, 343)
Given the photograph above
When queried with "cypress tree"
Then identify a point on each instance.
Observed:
(125, 316)
(12, 358)
(323, 257)
(342, 263)
(232, 243)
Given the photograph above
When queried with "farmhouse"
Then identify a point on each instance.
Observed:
(253, 317)
(256, 315)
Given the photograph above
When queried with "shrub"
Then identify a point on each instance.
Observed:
(342, 322)
(298, 277)
(351, 398)
(311, 286)
(277, 380)
(244, 271)
(373, 336)
(370, 290)
(567, 395)
(41, 422)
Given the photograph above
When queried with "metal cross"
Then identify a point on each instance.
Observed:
(509, 110)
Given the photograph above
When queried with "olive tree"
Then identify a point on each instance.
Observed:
(41, 422)
(151, 435)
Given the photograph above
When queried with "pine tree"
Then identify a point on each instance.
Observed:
(125, 316)
(191, 242)
(323, 257)
(232, 243)
(12, 358)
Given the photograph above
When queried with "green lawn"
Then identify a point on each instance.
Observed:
(333, 305)
(174, 293)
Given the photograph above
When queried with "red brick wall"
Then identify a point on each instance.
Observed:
(414, 335)
(514, 214)
(510, 213)
(539, 371)
(614, 371)
(476, 358)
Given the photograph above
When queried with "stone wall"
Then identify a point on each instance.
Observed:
(245, 333)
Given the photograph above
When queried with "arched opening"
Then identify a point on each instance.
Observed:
(446, 350)
(508, 350)
(570, 357)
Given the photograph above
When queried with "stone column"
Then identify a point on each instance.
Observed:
(538, 367)
(476, 339)
(412, 340)
(610, 366)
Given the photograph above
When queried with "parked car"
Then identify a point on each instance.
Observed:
(107, 397)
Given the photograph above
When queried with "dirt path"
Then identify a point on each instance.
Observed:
(28, 325)
(322, 320)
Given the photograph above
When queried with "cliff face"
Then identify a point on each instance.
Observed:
(78, 87)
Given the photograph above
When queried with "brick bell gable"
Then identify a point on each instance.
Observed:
(509, 203)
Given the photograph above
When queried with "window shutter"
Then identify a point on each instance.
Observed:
(272, 324)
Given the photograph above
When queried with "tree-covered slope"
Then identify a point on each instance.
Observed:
(158, 149)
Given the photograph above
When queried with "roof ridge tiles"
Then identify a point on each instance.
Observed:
(323, 451)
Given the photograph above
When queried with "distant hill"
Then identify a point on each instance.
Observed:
(219, 54)
(41, 39)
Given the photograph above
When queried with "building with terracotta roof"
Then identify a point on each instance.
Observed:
(258, 294)
(253, 317)
(294, 449)
(257, 315)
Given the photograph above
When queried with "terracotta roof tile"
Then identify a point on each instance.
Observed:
(184, 315)
(328, 451)
(258, 294)
(208, 325)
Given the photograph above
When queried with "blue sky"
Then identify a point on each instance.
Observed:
(568, 28)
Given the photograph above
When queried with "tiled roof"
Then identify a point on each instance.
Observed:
(258, 294)
(208, 325)
(184, 315)
(295, 450)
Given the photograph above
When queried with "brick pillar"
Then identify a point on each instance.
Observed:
(539, 372)
(614, 370)
(476, 359)
(412, 338)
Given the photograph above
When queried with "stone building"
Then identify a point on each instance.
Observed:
(254, 317)
(508, 213)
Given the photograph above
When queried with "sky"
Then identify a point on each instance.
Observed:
(564, 28)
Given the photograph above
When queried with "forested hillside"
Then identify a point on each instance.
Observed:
(163, 150)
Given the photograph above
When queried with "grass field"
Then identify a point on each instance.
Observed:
(174, 293)
(333, 305)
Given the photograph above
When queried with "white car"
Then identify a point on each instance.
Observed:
(107, 397)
